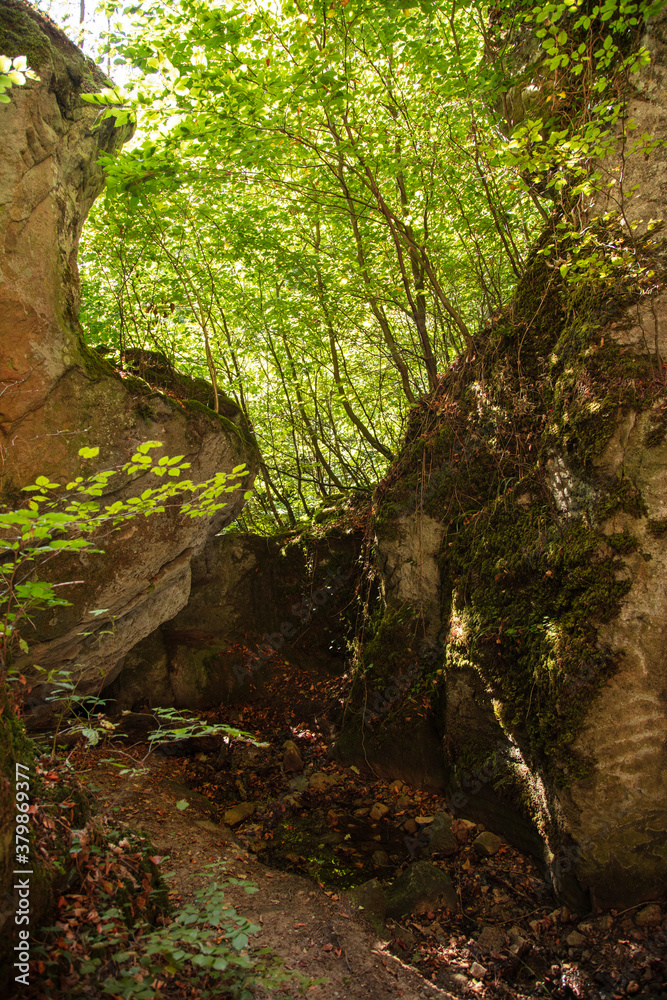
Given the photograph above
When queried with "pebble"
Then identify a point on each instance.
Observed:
(458, 979)
(320, 782)
(410, 826)
(477, 970)
(380, 859)
(516, 936)
(463, 829)
(575, 939)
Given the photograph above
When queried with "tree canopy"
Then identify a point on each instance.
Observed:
(324, 203)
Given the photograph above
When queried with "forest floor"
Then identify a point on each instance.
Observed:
(315, 832)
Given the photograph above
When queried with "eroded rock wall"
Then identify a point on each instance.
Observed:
(254, 603)
(56, 395)
(541, 638)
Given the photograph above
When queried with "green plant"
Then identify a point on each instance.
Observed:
(192, 727)
(13, 73)
(203, 946)
(73, 518)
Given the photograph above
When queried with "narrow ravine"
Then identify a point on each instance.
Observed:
(370, 883)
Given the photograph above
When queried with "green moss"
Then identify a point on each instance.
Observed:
(20, 35)
(623, 542)
(658, 527)
(657, 431)
(512, 440)
(392, 641)
(94, 364)
(623, 496)
(242, 433)
(138, 385)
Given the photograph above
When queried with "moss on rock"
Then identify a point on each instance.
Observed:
(513, 437)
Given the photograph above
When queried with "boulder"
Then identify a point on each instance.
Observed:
(369, 901)
(441, 837)
(422, 887)
(536, 505)
(57, 395)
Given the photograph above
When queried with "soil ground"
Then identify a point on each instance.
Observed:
(317, 831)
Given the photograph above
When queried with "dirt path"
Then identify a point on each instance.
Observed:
(314, 933)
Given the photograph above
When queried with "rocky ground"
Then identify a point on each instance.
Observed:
(369, 884)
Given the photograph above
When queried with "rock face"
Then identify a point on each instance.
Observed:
(56, 395)
(542, 633)
(251, 598)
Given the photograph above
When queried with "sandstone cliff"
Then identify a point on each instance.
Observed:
(57, 395)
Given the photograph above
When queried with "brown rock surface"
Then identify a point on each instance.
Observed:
(56, 395)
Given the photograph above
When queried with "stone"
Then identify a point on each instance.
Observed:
(237, 814)
(601, 811)
(299, 783)
(492, 939)
(515, 934)
(575, 939)
(293, 801)
(292, 758)
(457, 979)
(487, 844)
(369, 899)
(477, 970)
(422, 887)
(463, 829)
(396, 786)
(410, 826)
(649, 916)
(58, 395)
(379, 858)
(442, 839)
(321, 782)
(378, 811)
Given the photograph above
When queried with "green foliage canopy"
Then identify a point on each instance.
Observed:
(326, 202)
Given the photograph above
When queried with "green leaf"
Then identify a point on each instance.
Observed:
(89, 452)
